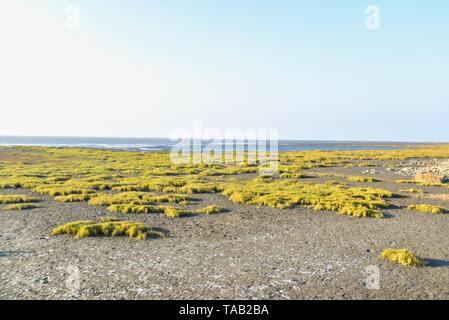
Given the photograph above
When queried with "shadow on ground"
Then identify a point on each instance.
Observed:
(435, 263)
(10, 253)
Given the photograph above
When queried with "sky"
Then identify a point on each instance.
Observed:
(311, 69)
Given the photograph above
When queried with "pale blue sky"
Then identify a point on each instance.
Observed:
(308, 68)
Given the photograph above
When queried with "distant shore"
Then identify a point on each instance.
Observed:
(165, 144)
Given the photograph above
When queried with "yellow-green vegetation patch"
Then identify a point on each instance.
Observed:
(200, 187)
(19, 183)
(357, 202)
(210, 210)
(412, 190)
(138, 198)
(263, 178)
(135, 208)
(334, 183)
(291, 175)
(21, 206)
(402, 257)
(109, 219)
(172, 212)
(62, 191)
(362, 179)
(332, 175)
(425, 184)
(119, 198)
(73, 174)
(17, 199)
(427, 208)
(187, 185)
(365, 164)
(112, 228)
(169, 211)
(406, 181)
(73, 198)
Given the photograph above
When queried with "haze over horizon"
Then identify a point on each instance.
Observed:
(14, 139)
(145, 69)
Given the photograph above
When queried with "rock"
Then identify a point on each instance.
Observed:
(429, 178)
(372, 171)
(437, 172)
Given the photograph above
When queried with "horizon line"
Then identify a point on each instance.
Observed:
(168, 138)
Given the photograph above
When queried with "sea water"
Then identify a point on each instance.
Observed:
(165, 144)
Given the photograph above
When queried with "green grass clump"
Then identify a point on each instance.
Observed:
(263, 178)
(4, 199)
(402, 256)
(334, 183)
(21, 206)
(137, 198)
(73, 198)
(62, 191)
(200, 187)
(427, 208)
(361, 179)
(168, 198)
(419, 183)
(412, 190)
(19, 183)
(169, 211)
(172, 212)
(108, 219)
(135, 208)
(10, 185)
(119, 198)
(283, 194)
(132, 229)
(53, 179)
(159, 183)
(333, 175)
(291, 175)
(406, 181)
(360, 212)
(210, 210)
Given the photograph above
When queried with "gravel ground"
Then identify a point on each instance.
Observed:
(245, 253)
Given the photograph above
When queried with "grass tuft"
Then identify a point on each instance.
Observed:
(73, 198)
(21, 206)
(6, 199)
(283, 194)
(138, 198)
(210, 210)
(135, 208)
(427, 208)
(402, 257)
(132, 229)
(412, 190)
(361, 179)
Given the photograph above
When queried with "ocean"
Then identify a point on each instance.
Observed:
(165, 144)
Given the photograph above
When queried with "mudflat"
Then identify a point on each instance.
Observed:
(244, 252)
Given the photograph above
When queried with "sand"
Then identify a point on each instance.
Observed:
(244, 253)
